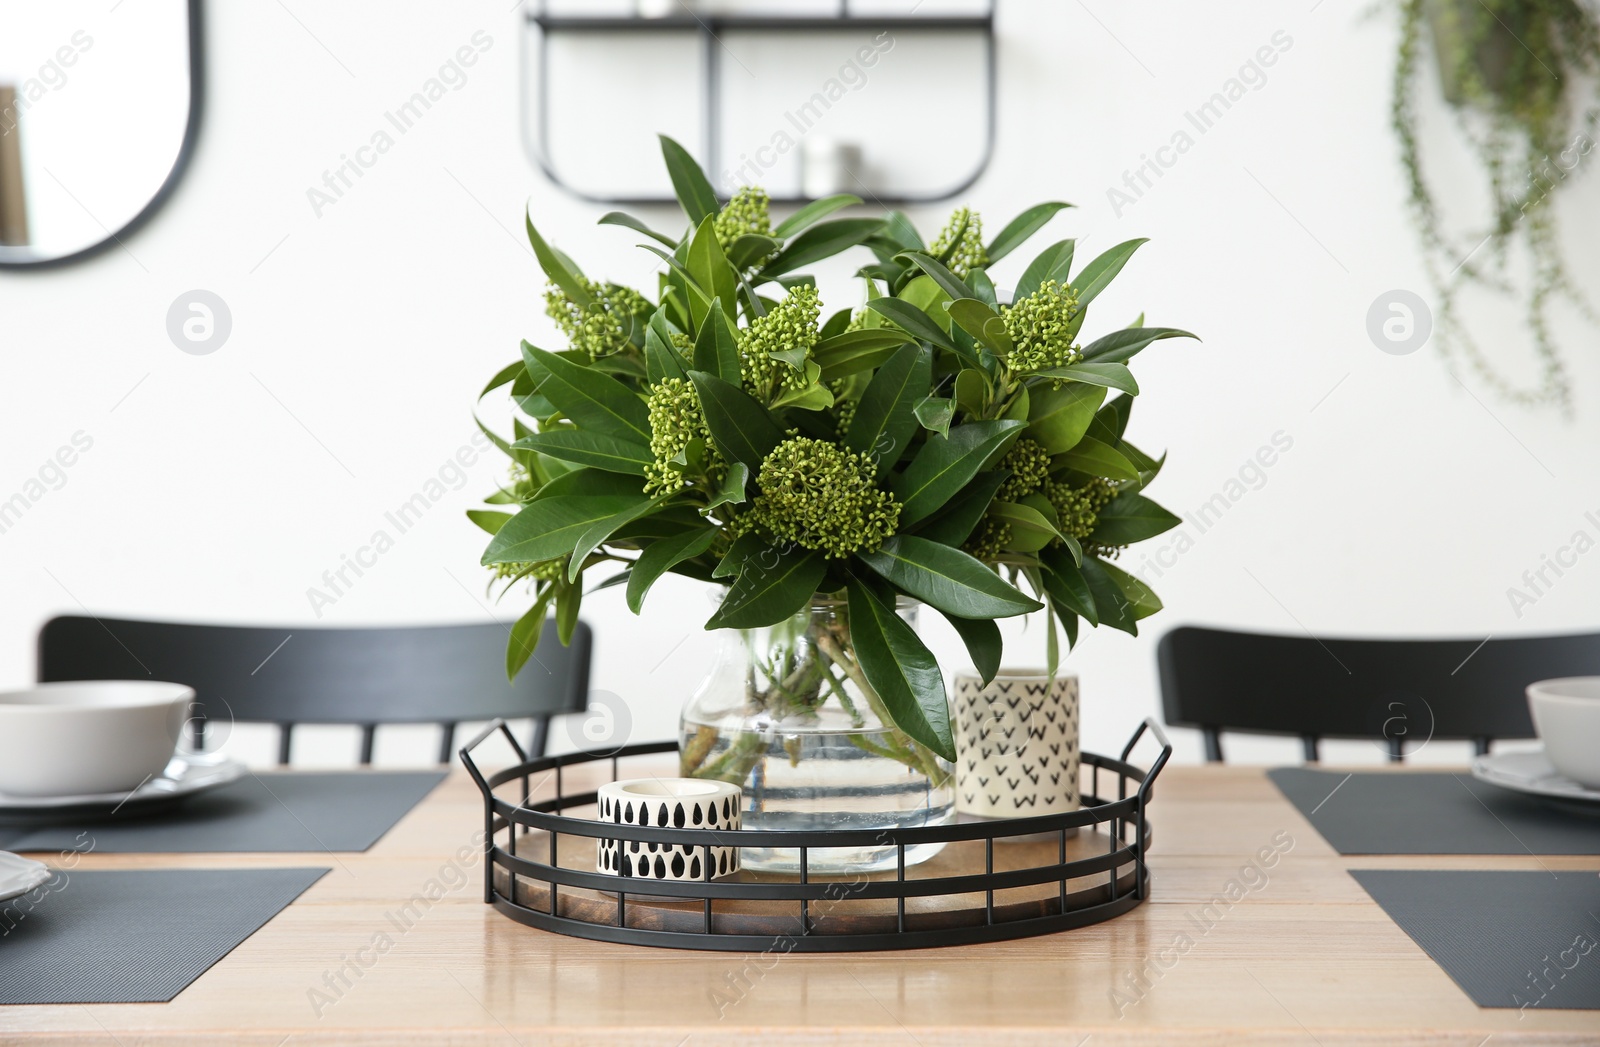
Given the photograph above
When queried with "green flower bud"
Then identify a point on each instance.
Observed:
(676, 419)
(1039, 326)
(1029, 463)
(601, 328)
(1078, 508)
(790, 325)
(969, 253)
(747, 212)
(822, 496)
(989, 539)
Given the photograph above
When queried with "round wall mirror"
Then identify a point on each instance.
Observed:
(99, 104)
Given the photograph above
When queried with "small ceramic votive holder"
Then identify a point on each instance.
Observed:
(678, 803)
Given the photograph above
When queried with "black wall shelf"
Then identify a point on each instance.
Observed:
(709, 27)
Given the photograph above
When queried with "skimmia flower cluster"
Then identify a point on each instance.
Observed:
(921, 438)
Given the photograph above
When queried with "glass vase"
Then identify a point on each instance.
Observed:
(787, 715)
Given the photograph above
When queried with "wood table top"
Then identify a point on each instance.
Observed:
(396, 946)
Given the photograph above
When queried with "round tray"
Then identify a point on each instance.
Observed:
(995, 879)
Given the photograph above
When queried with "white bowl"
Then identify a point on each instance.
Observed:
(1566, 713)
(89, 736)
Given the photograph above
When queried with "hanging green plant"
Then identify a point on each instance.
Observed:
(1518, 74)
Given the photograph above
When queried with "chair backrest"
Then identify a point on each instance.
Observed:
(1390, 690)
(442, 674)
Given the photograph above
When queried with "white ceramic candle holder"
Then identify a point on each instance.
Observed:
(679, 803)
(1016, 744)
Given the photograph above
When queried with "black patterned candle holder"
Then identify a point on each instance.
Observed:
(678, 803)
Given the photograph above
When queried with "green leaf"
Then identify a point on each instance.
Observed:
(1130, 518)
(689, 182)
(819, 242)
(945, 464)
(600, 530)
(589, 482)
(593, 400)
(766, 595)
(661, 557)
(716, 348)
(741, 428)
(590, 448)
(946, 579)
(961, 514)
(1020, 228)
(1141, 598)
(973, 317)
(745, 548)
(935, 413)
(661, 358)
(972, 391)
(811, 397)
(814, 212)
(1120, 346)
(1058, 417)
(1031, 530)
(1114, 607)
(948, 282)
(751, 248)
(710, 269)
(914, 321)
(902, 670)
(1111, 376)
(1097, 274)
(900, 231)
(549, 527)
(626, 220)
(886, 418)
(1065, 584)
(984, 645)
(555, 267)
(1114, 416)
(488, 519)
(568, 599)
(1091, 456)
(983, 288)
(1053, 263)
(526, 633)
(856, 351)
(732, 490)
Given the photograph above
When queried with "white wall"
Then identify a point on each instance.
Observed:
(220, 487)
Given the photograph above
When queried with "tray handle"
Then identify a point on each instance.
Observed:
(497, 724)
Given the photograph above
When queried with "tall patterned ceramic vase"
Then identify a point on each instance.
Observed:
(1016, 745)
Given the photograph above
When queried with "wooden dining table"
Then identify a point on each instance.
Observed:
(396, 946)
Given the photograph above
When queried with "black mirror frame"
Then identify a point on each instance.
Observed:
(180, 164)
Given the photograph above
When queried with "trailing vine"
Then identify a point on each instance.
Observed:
(1517, 73)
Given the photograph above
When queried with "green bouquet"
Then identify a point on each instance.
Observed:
(939, 443)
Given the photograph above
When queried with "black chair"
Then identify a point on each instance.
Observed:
(443, 674)
(1392, 690)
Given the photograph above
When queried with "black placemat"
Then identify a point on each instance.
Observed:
(1509, 939)
(1419, 812)
(283, 811)
(133, 935)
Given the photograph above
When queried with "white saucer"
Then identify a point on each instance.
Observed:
(20, 875)
(1533, 774)
(187, 774)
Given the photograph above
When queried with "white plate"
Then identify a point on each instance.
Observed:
(20, 875)
(1531, 773)
(187, 774)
